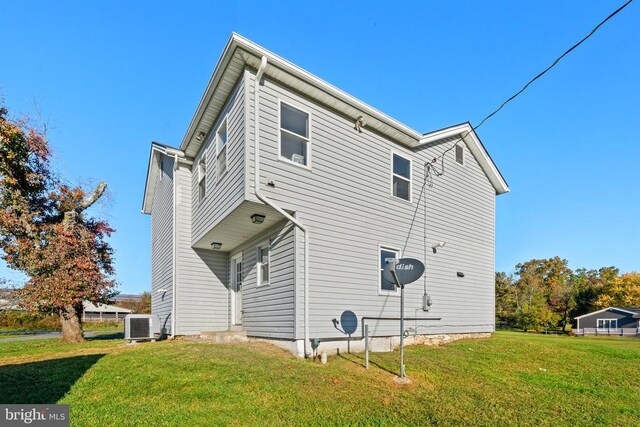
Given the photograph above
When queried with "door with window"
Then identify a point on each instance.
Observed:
(236, 289)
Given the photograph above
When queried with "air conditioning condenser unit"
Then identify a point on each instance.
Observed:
(140, 327)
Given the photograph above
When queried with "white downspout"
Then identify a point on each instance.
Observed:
(266, 201)
(175, 251)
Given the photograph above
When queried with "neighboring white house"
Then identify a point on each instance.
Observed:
(278, 207)
(103, 312)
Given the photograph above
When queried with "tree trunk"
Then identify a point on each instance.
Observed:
(71, 323)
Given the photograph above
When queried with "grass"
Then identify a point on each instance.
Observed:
(510, 379)
(87, 326)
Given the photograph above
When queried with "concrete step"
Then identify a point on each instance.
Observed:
(224, 336)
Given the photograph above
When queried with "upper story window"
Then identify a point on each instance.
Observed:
(294, 135)
(401, 184)
(202, 179)
(460, 154)
(385, 287)
(221, 141)
(264, 255)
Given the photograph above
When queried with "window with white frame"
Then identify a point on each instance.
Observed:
(401, 184)
(607, 323)
(221, 141)
(294, 134)
(384, 286)
(202, 179)
(238, 273)
(264, 255)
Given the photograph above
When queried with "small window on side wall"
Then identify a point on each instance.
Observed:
(294, 135)
(221, 147)
(264, 256)
(385, 287)
(460, 154)
(202, 180)
(401, 184)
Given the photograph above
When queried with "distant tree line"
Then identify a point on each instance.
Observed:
(547, 294)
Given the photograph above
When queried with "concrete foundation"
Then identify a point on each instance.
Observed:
(376, 344)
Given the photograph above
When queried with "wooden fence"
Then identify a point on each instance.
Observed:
(620, 332)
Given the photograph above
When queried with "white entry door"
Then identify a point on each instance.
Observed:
(236, 289)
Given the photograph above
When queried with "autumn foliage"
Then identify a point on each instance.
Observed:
(547, 294)
(45, 233)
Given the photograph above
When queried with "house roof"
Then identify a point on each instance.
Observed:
(468, 135)
(630, 310)
(240, 53)
(104, 308)
(127, 297)
(155, 156)
(8, 301)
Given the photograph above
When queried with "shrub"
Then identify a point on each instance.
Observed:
(15, 319)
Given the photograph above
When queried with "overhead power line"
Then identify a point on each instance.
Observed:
(542, 73)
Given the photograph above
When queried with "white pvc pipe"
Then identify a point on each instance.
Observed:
(266, 201)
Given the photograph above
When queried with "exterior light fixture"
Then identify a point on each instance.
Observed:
(216, 245)
(257, 218)
(435, 246)
(359, 124)
(201, 135)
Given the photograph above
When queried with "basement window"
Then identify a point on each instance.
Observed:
(294, 135)
(264, 256)
(401, 177)
(384, 287)
(460, 154)
(221, 141)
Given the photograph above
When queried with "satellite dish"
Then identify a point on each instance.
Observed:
(408, 270)
(349, 322)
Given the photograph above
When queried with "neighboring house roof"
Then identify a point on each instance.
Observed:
(127, 297)
(9, 304)
(7, 300)
(104, 308)
(629, 310)
(240, 52)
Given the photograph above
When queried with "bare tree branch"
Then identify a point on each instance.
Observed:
(91, 199)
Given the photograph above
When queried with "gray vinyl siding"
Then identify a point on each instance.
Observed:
(224, 193)
(461, 212)
(268, 309)
(202, 275)
(162, 245)
(625, 320)
(345, 200)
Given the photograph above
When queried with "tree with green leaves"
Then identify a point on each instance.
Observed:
(45, 231)
(505, 301)
(553, 280)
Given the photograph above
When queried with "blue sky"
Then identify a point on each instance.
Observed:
(110, 77)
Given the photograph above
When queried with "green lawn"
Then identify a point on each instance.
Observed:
(510, 379)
